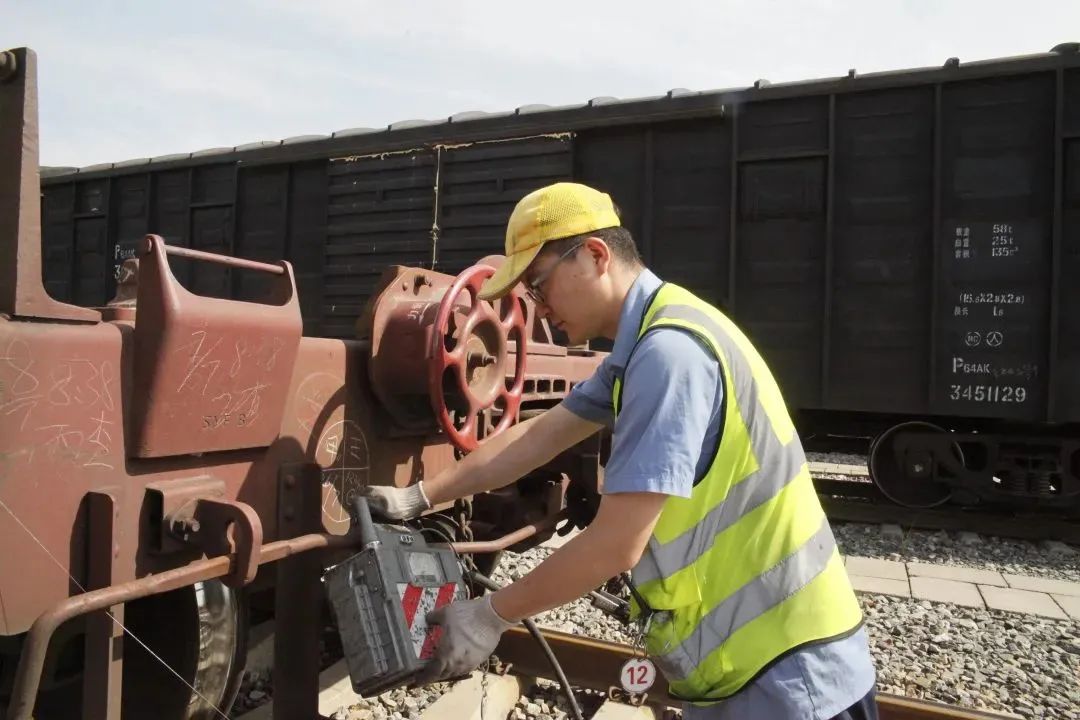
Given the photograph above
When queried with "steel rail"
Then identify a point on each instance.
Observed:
(596, 664)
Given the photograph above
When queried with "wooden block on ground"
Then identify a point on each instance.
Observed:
(611, 710)
(463, 699)
(335, 691)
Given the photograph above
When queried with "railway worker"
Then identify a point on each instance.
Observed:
(707, 496)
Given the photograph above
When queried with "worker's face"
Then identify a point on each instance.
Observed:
(563, 287)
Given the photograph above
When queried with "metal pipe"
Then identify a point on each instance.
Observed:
(32, 658)
(223, 260)
(523, 533)
(530, 624)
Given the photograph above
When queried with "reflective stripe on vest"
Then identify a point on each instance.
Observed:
(746, 568)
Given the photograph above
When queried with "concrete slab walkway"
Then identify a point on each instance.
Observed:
(973, 587)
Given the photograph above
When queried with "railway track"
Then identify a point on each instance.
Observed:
(856, 499)
(591, 668)
(596, 664)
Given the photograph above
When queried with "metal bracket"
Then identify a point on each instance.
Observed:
(215, 518)
(619, 695)
(193, 512)
(498, 667)
(173, 503)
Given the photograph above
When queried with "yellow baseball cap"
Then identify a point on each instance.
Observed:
(554, 212)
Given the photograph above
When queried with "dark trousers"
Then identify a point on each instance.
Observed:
(865, 709)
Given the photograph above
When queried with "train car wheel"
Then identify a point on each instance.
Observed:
(903, 469)
(200, 632)
(186, 663)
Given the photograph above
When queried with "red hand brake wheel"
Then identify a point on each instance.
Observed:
(476, 356)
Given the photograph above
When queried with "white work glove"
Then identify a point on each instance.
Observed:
(396, 503)
(471, 630)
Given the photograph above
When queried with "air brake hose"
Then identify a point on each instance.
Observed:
(539, 637)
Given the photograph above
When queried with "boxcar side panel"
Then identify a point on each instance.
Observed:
(780, 238)
(129, 217)
(170, 215)
(1068, 372)
(380, 212)
(261, 225)
(307, 238)
(691, 206)
(995, 252)
(92, 266)
(671, 182)
(478, 188)
(58, 249)
(614, 160)
(881, 277)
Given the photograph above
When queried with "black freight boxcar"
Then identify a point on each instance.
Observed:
(902, 246)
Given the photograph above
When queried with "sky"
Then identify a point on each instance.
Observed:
(138, 78)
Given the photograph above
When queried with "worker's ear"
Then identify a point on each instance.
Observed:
(599, 254)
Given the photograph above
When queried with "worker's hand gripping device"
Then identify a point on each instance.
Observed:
(380, 598)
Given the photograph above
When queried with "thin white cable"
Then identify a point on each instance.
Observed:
(111, 616)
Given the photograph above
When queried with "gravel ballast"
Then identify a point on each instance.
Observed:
(982, 659)
(977, 658)
(1025, 665)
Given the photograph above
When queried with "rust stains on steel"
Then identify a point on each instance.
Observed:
(596, 664)
(194, 420)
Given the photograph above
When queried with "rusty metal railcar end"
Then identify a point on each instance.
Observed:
(168, 442)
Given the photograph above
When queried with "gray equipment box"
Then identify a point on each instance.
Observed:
(380, 598)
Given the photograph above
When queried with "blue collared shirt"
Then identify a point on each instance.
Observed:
(664, 438)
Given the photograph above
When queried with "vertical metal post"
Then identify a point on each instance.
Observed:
(189, 238)
(1055, 246)
(935, 252)
(286, 220)
(827, 297)
(298, 598)
(22, 292)
(102, 681)
(733, 209)
(648, 201)
(231, 279)
(436, 206)
(149, 205)
(111, 240)
(73, 266)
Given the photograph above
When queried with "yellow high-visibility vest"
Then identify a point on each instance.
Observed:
(746, 569)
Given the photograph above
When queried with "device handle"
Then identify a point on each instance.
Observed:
(362, 516)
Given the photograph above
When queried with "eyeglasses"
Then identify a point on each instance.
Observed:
(532, 289)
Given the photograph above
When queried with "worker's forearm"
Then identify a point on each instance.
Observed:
(505, 457)
(578, 567)
(499, 461)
